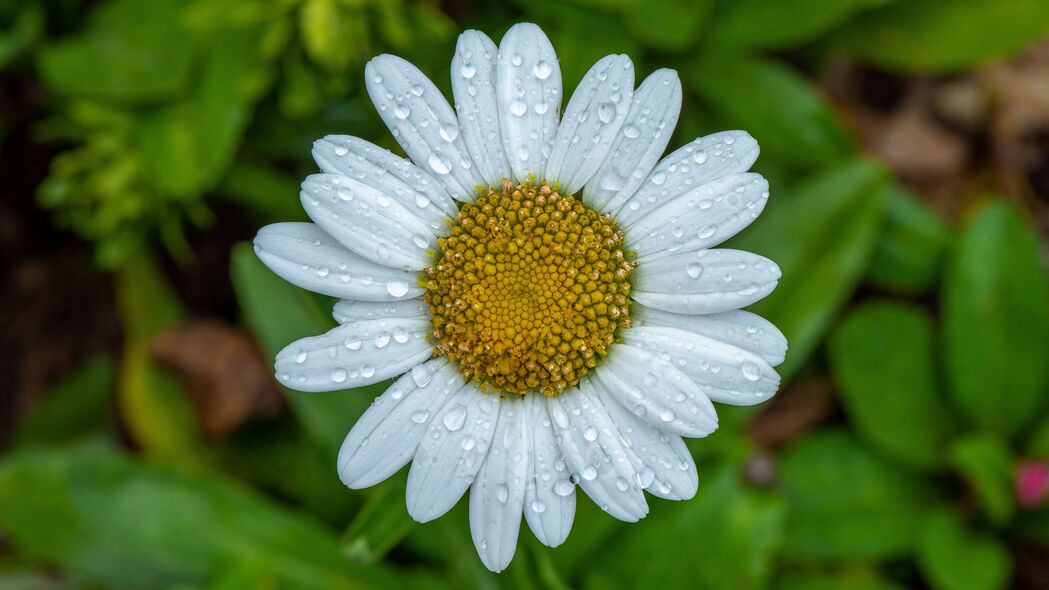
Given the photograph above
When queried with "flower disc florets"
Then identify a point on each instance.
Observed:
(528, 290)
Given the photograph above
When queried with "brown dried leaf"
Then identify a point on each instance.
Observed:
(225, 374)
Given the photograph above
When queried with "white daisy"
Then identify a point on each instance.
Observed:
(495, 271)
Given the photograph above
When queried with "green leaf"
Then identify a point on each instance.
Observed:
(884, 359)
(934, 36)
(862, 580)
(741, 533)
(22, 23)
(263, 189)
(778, 24)
(996, 322)
(121, 525)
(790, 120)
(155, 409)
(955, 557)
(279, 313)
(821, 236)
(78, 406)
(131, 51)
(668, 25)
(380, 524)
(845, 503)
(910, 250)
(986, 463)
(189, 144)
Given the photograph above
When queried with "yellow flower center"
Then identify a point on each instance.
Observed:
(528, 290)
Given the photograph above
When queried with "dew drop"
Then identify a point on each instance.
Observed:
(454, 418)
(420, 416)
(438, 165)
(397, 288)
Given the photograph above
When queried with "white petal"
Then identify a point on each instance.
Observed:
(528, 87)
(645, 134)
(666, 468)
(393, 175)
(497, 495)
(594, 451)
(591, 122)
(367, 222)
(704, 281)
(700, 218)
(422, 122)
(353, 355)
(739, 328)
(348, 310)
(305, 256)
(655, 391)
(451, 452)
(388, 433)
(473, 88)
(695, 164)
(549, 494)
(727, 374)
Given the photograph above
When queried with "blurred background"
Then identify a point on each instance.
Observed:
(145, 444)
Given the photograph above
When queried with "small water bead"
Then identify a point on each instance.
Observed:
(469, 71)
(518, 107)
(382, 339)
(401, 112)
(338, 375)
(590, 433)
(438, 165)
(542, 69)
(454, 418)
(449, 132)
(751, 371)
(301, 357)
(341, 150)
(631, 132)
(468, 443)
(420, 416)
(538, 506)
(417, 90)
(563, 488)
(397, 288)
(422, 201)
(517, 59)
(383, 251)
(699, 157)
(694, 269)
(502, 493)
(353, 343)
(606, 112)
(589, 473)
(667, 415)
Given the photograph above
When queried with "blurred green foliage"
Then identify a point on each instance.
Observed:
(158, 112)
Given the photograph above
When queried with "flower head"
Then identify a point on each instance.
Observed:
(545, 287)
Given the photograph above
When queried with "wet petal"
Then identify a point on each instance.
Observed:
(421, 120)
(704, 281)
(391, 174)
(655, 391)
(528, 87)
(594, 451)
(739, 328)
(354, 355)
(368, 222)
(727, 374)
(701, 218)
(703, 160)
(386, 436)
(549, 494)
(305, 256)
(497, 495)
(473, 87)
(451, 452)
(595, 114)
(348, 310)
(665, 466)
(639, 144)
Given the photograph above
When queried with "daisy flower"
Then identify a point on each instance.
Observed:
(543, 286)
